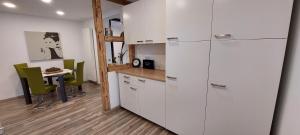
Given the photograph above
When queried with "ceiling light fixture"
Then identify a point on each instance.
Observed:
(9, 4)
(59, 12)
(46, 1)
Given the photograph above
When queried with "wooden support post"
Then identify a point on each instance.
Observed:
(101, 54)
(131, 50)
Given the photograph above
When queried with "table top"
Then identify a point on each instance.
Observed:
(65, 71)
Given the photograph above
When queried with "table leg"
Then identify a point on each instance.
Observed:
(50, 81)
(62, 91)
(26, 91)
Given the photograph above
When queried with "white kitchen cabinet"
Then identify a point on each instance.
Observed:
(144, 22)
(144, 97)
(252, 19)
(243, 84)
(155, 21)
(129, 94)
(152, 101)
(134, 23)
(189, 20)
(186, 86)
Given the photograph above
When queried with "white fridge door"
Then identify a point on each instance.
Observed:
(186, 86)
(243, 84)
(252, 19)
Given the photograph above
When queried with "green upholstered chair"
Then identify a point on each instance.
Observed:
(36, 84)
(20, 71)
(78, 81)
(69, 64)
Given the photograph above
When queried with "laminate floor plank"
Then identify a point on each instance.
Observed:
(81, 115)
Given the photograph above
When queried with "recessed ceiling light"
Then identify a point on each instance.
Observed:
(59, 12)
(9, 4)
(46, 1)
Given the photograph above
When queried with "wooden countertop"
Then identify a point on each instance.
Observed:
(158, 75)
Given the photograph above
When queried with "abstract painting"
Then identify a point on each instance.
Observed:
(43, 45)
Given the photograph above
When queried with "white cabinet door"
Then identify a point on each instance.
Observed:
(134, 23)
(243, 84)
(252, 19)
(144, 22)
(152, 101)
(129, 94)
(186, 86)
(155, 16)
(189, 20)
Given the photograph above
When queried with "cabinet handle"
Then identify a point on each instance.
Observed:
(172, 38)
(126, 77)
(126, 82)
(134, 89)
(142, 80)
(218, 85)
(140, 41)
(223, 36)
(148, 40)
(172, 78)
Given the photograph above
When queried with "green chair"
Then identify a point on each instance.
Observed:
(78, 81)
(19, 68)
(69, 64)
(20, 71)
(36, 84)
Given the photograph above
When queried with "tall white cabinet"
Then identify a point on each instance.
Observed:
(188, 31)
(232, 83)
(223, 63)
(247, 53)
(243, 82)
(187, 73)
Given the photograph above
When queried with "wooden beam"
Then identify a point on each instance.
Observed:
(131, 50)
(114, 39)
(98, 22)
(121, 2)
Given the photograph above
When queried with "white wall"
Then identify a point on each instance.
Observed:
(287, 116)
(13, 48)
(90, 52)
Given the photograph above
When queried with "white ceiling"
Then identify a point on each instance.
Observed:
(74, 9)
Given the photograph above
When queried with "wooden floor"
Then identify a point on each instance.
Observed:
(80, 115)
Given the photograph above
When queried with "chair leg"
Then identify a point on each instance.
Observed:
(80, 91)
(52, 100)
(40, 100)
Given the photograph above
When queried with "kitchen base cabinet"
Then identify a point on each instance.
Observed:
(186, 86)
(152, 101)
(129, 94)
(144, 97)
(243, 84)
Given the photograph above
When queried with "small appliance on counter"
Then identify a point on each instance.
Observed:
(148, 64)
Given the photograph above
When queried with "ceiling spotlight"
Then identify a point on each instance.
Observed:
(46, 1)
(9, 4)
(61, 13)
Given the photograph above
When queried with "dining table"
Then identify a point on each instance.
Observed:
(60, 77)
(61, 89)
